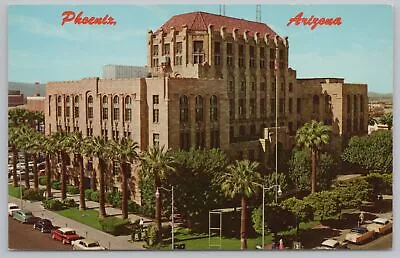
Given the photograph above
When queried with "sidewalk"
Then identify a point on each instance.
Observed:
(106, 240)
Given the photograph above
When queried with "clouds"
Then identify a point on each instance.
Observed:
(72, 32)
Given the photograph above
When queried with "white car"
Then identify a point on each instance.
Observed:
(380, 225)
(331, 244)
(87, 244)
(11, 208)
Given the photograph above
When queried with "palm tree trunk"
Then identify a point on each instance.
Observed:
(123, 166)
(93, 176)
(35, 172)
(158, 209)
(48, 176)
(102, 213)
(63, 177)
(14, 161)
(243, 221)
(82, 203)
(314, 171)
(26, 177)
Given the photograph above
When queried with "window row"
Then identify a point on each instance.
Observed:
(199, 108)
(200, 139)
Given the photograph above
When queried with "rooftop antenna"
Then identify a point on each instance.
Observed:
(222, 9)
(258, 13)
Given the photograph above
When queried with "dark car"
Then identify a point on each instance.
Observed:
(44, 225)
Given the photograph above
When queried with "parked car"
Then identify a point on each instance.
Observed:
(23, 216)
(44, 225)
(359, 235)
(11, 208)
(331, 244)
(66, 235)
(87, 244)
(380, 226)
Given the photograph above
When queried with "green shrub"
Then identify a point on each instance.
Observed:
(133, 207)
(71, 189)
(33, 194)
(56, 185)
(113, 225)
(69, 203)
(166, 230)
(94, 196)
(53, 204)
(150, 236)
(109, 197)
(42, 180)
(88, 194)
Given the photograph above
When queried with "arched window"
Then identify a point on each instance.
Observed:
(116, 100)
(67, 106)
(90, 100)
(213, 108)
(199, 109)
(59, 107)
(90, 107)
(76, 100)
(128, 110)
(115, 108)
(105, 100)
(68, 100)
(315, 104)
(76, 106)
(59, 99)
(184, 108)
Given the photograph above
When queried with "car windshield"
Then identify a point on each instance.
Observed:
(70, 233)
(93, 244)
(28, 213)
(13, 207)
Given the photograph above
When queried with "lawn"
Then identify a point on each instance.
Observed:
(194, 241)
(88, 217)
(14, 191)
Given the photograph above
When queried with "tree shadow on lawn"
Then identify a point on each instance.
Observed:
(347, 220)
(311, 238)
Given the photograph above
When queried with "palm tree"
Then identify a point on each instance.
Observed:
(60, 144)
(49, 149)
(23, 143)
(17, 116)
(12, 142)
(159, 164)
(387, 119)
(313, 136)
(75, 144)
(34, 148)
(241, 180)
(125, 152)
(99, 148)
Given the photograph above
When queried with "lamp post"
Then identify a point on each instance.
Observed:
(20, 190)
(278, 192)
(172, 210)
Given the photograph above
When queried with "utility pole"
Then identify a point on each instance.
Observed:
(222, 9)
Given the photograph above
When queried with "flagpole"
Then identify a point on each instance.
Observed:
(276, 121)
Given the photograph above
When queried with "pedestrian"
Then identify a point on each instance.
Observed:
(361, 218)
(281, 247)
(141, 223)
(273, 247)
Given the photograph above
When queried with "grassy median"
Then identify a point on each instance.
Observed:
(88, 217)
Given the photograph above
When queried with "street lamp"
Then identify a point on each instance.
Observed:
(279, 192)
(20, 190)
(172, 210)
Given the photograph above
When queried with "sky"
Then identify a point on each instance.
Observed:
(40, 49)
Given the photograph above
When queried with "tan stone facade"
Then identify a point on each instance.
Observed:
(210, 88)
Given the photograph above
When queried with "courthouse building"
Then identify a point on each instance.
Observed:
(216, 82)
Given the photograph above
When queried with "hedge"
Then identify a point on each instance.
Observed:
(71, 189)
(69, 203)
(113, 225)
(42, 180)
(53, 204)
(94, 196)
(56, 185)
(33, 194)
(88, 194)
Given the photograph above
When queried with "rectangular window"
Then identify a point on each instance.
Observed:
(49, 105)
(229, 54)
(252, 55)
(178, 55)
(156, 115)
(241, 56)
(262, 86)
(67, 111)
(290, 105)
(200, 139)
(76, 112)
(155, 50)
(231, 86)
(214, 139)
(242, 110)
(167, 49)
(281, 105)
(253, 85)
(184, 141)
(105, 113)
(217, 53)
(156, 139)
(156, 100)
(252, 107)
(262, 107)
(198, 54)
(232, 109)
(273, 106)
(243, 85)
(116, 114)
(90, 112)
(59, 111)
(128, 114)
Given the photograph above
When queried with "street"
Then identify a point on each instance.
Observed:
(23, 237)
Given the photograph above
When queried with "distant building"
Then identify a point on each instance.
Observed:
(35, 103)
(15, 98)
(124, 72)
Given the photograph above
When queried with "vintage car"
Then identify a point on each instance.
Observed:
(44, 225)
(24, 216)
(380, 226)
(65, 235)
(359, 235)
(87, 244)
(11, 208)
(331, 244)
